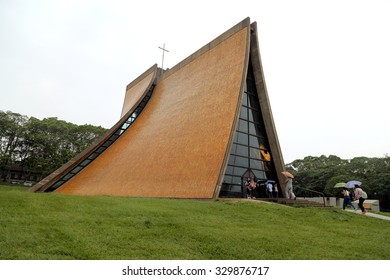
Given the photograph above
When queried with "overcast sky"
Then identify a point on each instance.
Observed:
(326, 63)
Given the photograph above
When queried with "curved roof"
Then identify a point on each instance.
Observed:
(176, 129)
(179, 144)
(137, 89)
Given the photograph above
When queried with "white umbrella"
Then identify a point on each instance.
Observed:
(351, 184)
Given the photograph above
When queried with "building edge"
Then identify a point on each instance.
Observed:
(244, 24)
(265, 104)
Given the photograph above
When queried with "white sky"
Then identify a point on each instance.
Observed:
(326, 62)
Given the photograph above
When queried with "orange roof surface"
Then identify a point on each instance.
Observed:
(178, 145)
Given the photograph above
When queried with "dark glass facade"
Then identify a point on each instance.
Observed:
(250, 154)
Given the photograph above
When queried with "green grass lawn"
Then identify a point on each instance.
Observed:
(43, 226)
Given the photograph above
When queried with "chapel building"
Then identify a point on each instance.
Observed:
(197, 130)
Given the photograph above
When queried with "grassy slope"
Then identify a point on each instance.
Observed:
(53, 226)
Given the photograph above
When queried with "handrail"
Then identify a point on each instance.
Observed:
(313, 191)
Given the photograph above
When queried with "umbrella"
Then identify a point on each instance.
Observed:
(352, 184)
(287, 174)
(339, 185)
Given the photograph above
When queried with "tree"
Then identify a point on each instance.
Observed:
(41, 146)
(322, 173)
(11, 132)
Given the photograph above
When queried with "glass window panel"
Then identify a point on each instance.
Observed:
(242, 138)
(242, 161)
(255, 153)
(254, 102)
(229, 169)
(256, 129)
(236, 180)
(227, 179)
(254, 141)
(107, 143)
(57, 185)
(255, 116)
(138, 110)
(125, 125)
(235, 139)
(235, 188)
(93, 156)
(85, 162)
(239, 171)
(76, 169)
(232, 159)
(249, 86)
(234, 148)
(245, 99)
(257, 164)
(100, 150)
(260, 174)
(119, 131)
(243, 126)
(68, 176)
(244, 113)
(242, 151)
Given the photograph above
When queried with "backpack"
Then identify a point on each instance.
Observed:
(364, 194)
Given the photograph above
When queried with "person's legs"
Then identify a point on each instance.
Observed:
(287, 193)
(347, 201)
(361, 206)
(292, 195)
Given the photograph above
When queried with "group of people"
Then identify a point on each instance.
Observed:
(358, 194)
(261, 188)
(272, 192)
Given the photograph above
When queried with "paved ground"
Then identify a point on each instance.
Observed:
(369, 214)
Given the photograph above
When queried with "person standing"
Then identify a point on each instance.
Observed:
(289, 189)
(248, 188)
(359, 196)
(276, 191)
(347, 199)
(253, 187)
(269, 189)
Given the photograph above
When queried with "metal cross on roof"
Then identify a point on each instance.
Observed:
(164, 50)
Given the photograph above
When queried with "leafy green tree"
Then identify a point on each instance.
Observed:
(41, 146)
(11, 131)
(322, 173)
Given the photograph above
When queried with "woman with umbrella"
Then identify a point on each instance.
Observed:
(359, 196)
(289, 185)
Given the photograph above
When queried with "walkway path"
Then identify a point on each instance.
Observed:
(369, 214)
